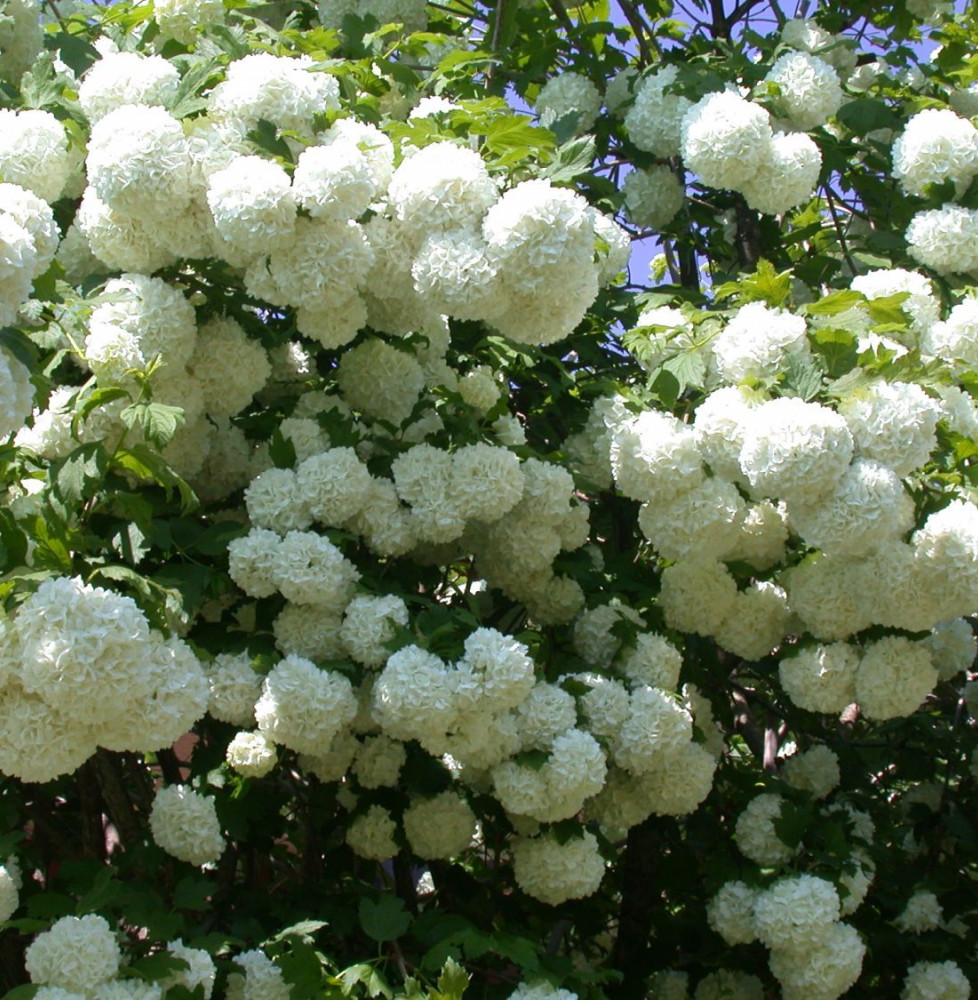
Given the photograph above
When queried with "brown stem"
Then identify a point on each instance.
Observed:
(748, 234)
(92, 822)
(638, 903)
(118, 804)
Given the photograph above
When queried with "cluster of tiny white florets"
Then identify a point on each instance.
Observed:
(84, 666)
(79, 954)
(28, 241)
(569, 94)
(730, 142)
(936, 146)
(185, 824)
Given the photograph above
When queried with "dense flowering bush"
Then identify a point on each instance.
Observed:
(399, 597)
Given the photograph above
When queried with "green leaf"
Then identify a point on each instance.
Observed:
(801, 378)
(73, 50)
(304, 930)
(265, 136)
(192, 894)
(384, 919)
(145, 464)
(157, 967)
(834, 303)
(79, 474)
(867, 114)
(22, 992)
(837, 350)
(13, 542)
(96, 398)
(887, 310)
(453, 980)
(20, 346)
(572, 160)
(367, 976)
(158, 421)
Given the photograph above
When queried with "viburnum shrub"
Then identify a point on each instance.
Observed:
(399, 598)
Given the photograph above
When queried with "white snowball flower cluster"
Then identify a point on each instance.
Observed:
(921, 305)
(553, 872)
(730, 912)
(185, 824)
(78, 954)
(725, 138)
(935, 981)
(893, 423)
(755, 834)
(730, 143)
(200, 972)
(34, 152)
(945, 239)
(17, 393)
(20, 38)
(758, 341)
(371, 834)
(653, 197)
(654, 121)
(439, 827)
(808, 36)
(252, 755)
(955, 339)
(303, 707)
(795, 450)
(821, 678)
(922, 913)
(445, 490)
(121, 78)
(540, 991)
(184, 20)
(821, 972)
(369, 623)
(952, 646)
(569, 94)
(234, 688)
(895, 675)
(815, 771)
(145, 318)
(809, 90)
(84, 667)
(28, 241)
(936, 146)
(262, 979)
(286, 91)
(729, 984)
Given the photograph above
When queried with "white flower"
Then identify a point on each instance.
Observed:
(795, 450)
(945, 239)
(821, 678)
(935, 981)
(287, 92)
(569, 94)
(553, 872)
(936, 145)
(653, 197)
(789, 177)
(440, 827)
(120, 78)
(185, 824)
(77, 953)
(755, 834)
(262, 980)
(795, 911)
(822, 971)
(34, 152)
(725, 139)
(371, 835)
(731, 913)
(441, 186)
(810, 91)
(303, 707)
(654, 121)
(894, 676)
(922, 913)
(815, 771)
(251, 754)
